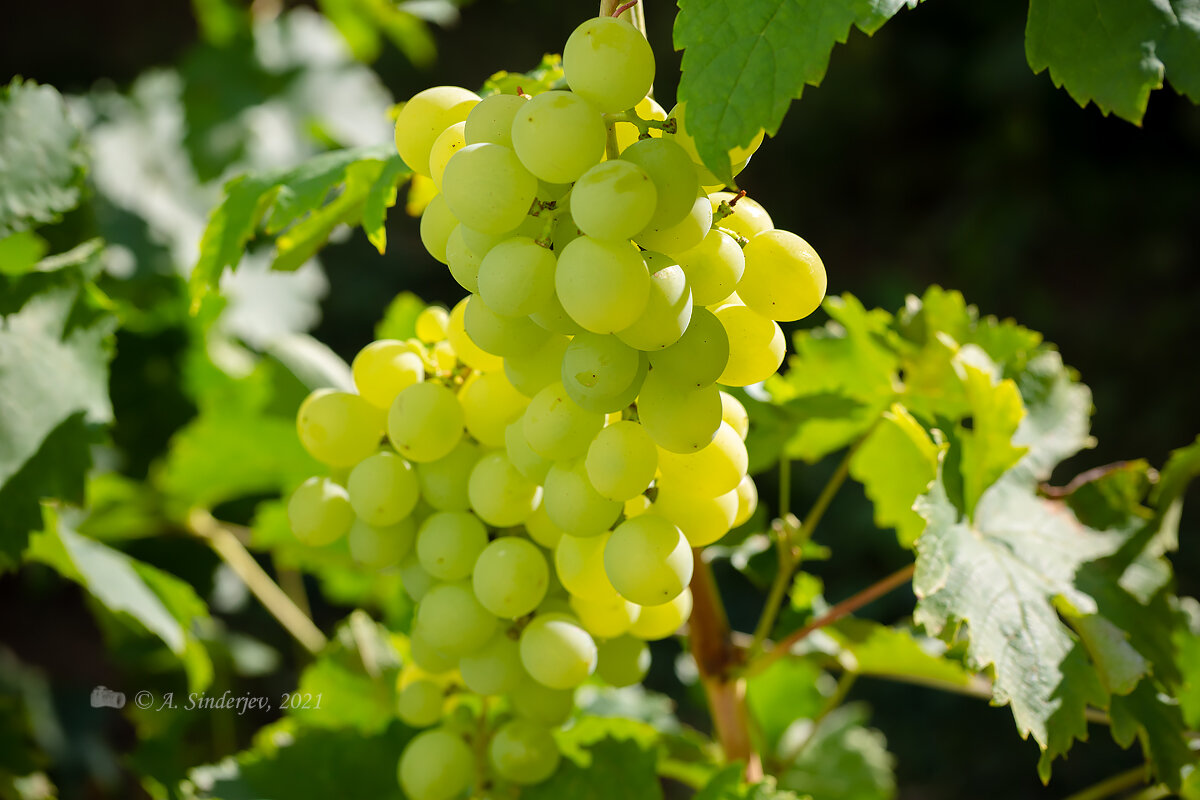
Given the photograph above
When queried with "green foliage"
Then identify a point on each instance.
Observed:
(1116, 53)
(839, 758)
(604, 758)
(41, 157)
(730, 784)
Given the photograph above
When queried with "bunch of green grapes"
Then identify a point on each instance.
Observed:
(541, 461)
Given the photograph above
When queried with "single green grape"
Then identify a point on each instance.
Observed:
(423, 118)
(462, 260)
(558, 136)
(449, 542)
(385, 368)
(733, 412)
(381, 547)
(756, 345)
(784, 278)
(516, 277)
(603, 285)
(678, 417)
(675, 240)
(539, 703)
(436, 765)
(444, 482)
(700, 355)
(500, 335)
(451, 620)
(510, 577)
(437, 223)
(623, 661)
(712, 470)
(492, 119)
(648, 560)
(319, 512)
(573, 504)
(431, 323)
(495, 668)
(668, 307)
(609, 62)
(383, 489)
(487, 188)
(613, 200)
(621, 461)
(425, 422)
(420, 704)
(499, 493)
(674, 177)
(713, 267)
(449, 142)
(556, 427)
(661, 621)
(467, 351)
(579, 562)
(524, 752)
(598, 371)
(338, 428)
(703, 519)
(605, 619)
(557, 652)
(413, 577)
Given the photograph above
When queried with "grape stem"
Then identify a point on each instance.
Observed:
(623, 8)
(229, 547)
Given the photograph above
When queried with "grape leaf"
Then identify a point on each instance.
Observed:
(312, 198)
(730, 784)
(297, 763)
(41, 157)
(841, 759)
(159, 602)
(53, 392)
(743, 62)
(1158, 724)
(1115, 52)
(895, 463)
(602, 759)
(782, 693)
(987, 448)
(868, 648)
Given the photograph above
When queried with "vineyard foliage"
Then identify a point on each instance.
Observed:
(152, 212)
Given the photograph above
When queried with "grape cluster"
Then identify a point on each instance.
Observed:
(567, 413)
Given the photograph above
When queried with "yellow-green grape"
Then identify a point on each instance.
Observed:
(661, 621)
(607, 618)
(748, 219)
(381, 547)
(319, 512)
(516, 277)
(602, 285)
(442, 356)
(468, 352)
(579, 563)
(383, 489)
(700, 355)
(383, 369)
(677, 417)
(556, 427)
(533, 371)
(553, 317)
(510, 577)
(420, 704)
(597, 371)
(501, 495)
(437, 223)
(524, 752)
(414, 578)
(628, 133)
(436, 765)
(738, 156)
(487, 188)
(462, 261)
(495, 668)
(573, 504)
(648, 560)
(558, 136)
(425, 422)
(621, 461)
(423, 118)
(542, 530)
(499, 335)
(338, 428)
(703, 519)
(673, 174)
(452, 620)
(733, 412)
(539, 703)
(613, 200)
(527, 462)
(713, 470)
(490, 404)
(609, 62)
(492, 120)
(747, 496)
(668, 307)
(756, 345)
(557, 652)
(636, 506)
(784, 278)
(623, 662)
(713, 267)
(674, 240)
(444, 481)
(449, 542)
(431, 324)
(449, 142)
(429, 658)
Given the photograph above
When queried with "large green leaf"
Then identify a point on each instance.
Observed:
(157, 601)
(41, 157)
(53, 391)
(744, 62)
(1115, 52)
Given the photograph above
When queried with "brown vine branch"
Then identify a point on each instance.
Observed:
(847, 606)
